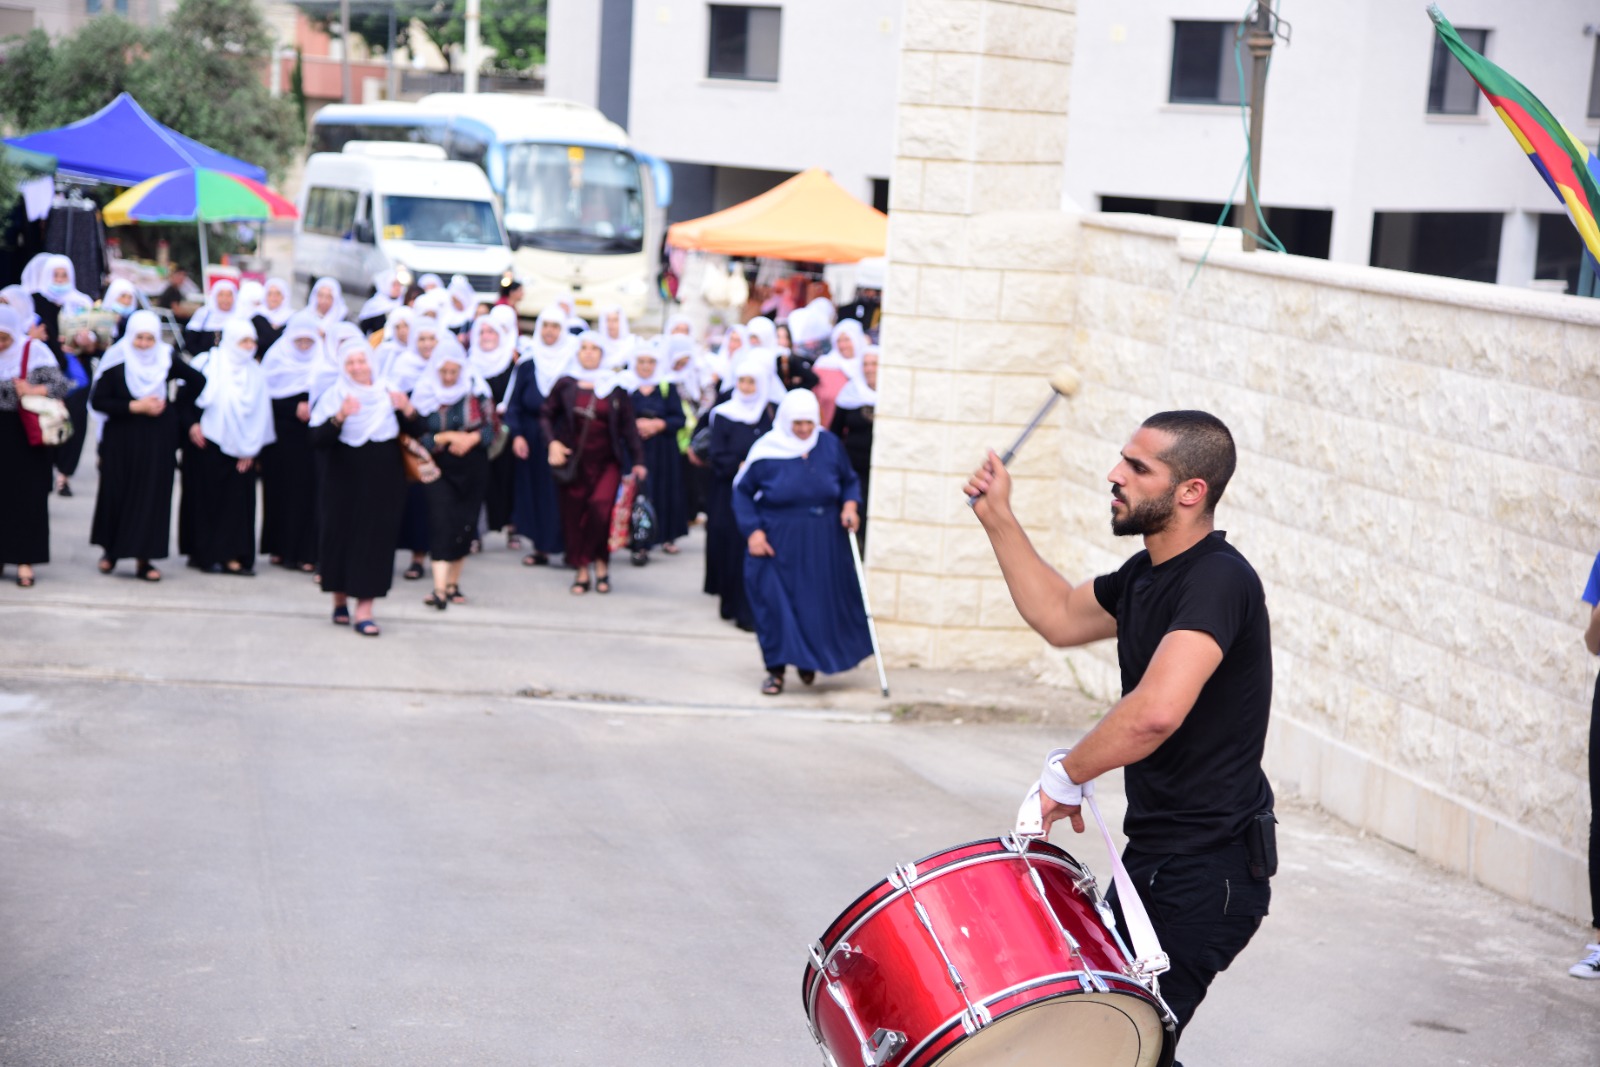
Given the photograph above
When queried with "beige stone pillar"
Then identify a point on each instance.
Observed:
(978, 302)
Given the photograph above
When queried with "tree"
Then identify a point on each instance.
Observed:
(515, 29)
(198, 73)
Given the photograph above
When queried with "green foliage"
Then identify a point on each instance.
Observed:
(198, 73)
(515, 29)
(297, 88)
(10, 177)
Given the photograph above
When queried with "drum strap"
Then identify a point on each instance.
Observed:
(1148, 960)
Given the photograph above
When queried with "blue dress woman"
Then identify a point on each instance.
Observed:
(792, 497)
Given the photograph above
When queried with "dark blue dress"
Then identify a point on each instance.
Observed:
(807, 603)
(666, 484)
(536, 512)
(725, 549)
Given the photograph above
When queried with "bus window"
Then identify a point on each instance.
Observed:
(330, 211)
(574, 199)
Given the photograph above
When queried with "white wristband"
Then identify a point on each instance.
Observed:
(1057, 785)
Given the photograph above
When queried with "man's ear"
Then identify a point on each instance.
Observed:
(1192, 493)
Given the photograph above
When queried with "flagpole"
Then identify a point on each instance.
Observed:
(1260, 41)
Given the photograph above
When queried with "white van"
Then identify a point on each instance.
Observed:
(379, 206)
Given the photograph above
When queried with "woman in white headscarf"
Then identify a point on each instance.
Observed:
(658, 413)
(736, 424)
(493, 357)
(203, 331)
(289, 481)
(357, 424)
(545, 356)
(235, 424)
(808, 332)
(122, 298)
(276, 304)
(840, 365)
(390, 360)
(458, 422)
(792, 496)
(616, 337)
(27, 368)
(325, 305)
(388, 293)
(462, 308)
(588, 418)
(146, 395)
(53, 282)
(854, 411)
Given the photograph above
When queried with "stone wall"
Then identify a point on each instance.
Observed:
(1417, 486)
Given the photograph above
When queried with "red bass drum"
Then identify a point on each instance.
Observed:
(999, 952)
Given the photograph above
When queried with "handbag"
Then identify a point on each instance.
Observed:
(642, 523)
(700, 443)
(567, 473)
(44, 419)
(420, 466)
(622, 514)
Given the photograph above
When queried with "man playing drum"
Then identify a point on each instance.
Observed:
(1194, 646)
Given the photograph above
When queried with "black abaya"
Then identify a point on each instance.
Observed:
(725, 547)
(25, 483)
(536, 514)
(133, 505)
(853, 427)
(363, 492)
(665, 485)
(224, 510)
(289, 477)
(500, 498)
(455, 499)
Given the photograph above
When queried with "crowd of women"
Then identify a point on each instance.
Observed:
(429, 422)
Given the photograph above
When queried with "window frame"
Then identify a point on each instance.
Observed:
(744, 75)
(1442, 55)
(1226, 71)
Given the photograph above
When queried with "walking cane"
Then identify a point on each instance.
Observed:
(872, 627)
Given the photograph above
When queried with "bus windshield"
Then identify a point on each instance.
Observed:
(571, 199)
(426, 218)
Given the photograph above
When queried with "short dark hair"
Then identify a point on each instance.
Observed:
(1201, 448)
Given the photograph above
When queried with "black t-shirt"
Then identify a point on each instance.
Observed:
(1200, 788)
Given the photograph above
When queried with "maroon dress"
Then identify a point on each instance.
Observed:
(587, 501)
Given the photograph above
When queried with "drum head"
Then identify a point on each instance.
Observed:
(1085, 1030)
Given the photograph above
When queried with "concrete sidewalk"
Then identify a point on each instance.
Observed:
(231, 833)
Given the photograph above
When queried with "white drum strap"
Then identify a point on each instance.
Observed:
(1148, 960)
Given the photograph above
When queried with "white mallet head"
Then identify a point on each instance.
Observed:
(1066, 381)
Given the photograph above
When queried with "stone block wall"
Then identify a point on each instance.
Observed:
(1418, 485)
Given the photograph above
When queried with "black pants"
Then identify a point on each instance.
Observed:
(1594, 804)
(1205, 909)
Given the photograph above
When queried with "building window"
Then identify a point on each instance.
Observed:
(1594, 82)
(92, 6)
(744, 42)
(1451, 90)
(1451, 244)
(1203, 67)
(1559, 253)
(1303, 231)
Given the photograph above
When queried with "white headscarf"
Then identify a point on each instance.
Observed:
(718, 363)
(391, 348)
(119, 288)
(43, 281)
(489, 362)
(429, 282)
(279, 315)
(374, 421)
(673, 348)
(836, 360)
(11, 323)
(763, 332)
(780, 442)
(431, 393)
(619, 350)
(823, 309)
(144, 371)
(856, 392)
(808, 326)
(211, 317)
(288, 370)
(434, 304)
(247, 305)
(337, 311)
(327, 369)
(550, 361)
(381, 302)
(632, 381)
(461, 292)
(17, 297)
(603, 378)
(741, 408)
(236, 413)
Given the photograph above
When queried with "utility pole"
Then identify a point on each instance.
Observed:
(469, 82)
(392, 86)
(344, 51)
(1259, 40)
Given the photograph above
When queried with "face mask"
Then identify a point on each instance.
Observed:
(59, 288)
(123, 310)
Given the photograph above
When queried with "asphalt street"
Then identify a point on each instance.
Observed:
(540, 830)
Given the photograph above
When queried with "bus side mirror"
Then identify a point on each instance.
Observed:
(514, 240)
(363, 231)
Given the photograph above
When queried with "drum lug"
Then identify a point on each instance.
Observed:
(882, 1048)
(903, 876)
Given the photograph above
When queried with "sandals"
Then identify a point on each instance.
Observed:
(455, 594)
(436, 599)
(413, 572)
(367, 628)
(239, 570)
(640, 559)
(602, 585)
(148, 572)
(513, 542)
(25, 581)
(341, 615)
(308, 568)
(536, 559)
(807, 677)
(106, 565)
(579, 588)
(671, 548)
(773, 686)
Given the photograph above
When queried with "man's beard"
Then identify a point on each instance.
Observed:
(1148, 517)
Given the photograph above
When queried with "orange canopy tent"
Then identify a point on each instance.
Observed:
(809, 218)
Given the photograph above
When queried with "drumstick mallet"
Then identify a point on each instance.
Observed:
(872, 627)
(1063, 383)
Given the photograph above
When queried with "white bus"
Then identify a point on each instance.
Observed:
(585, 212)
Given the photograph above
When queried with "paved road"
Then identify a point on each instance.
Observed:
(233, 834)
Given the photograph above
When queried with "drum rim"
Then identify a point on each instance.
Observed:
(810, 988)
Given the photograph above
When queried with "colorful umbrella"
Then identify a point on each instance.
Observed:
(197, 195)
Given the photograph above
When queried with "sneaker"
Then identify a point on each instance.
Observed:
(1589, 966)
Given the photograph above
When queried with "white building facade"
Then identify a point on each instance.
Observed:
(738, 97)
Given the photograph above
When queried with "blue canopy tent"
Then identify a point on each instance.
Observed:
(122, 145)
